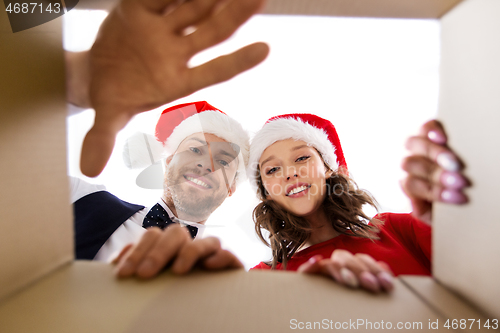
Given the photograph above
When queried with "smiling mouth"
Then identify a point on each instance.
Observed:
(298, 190)
(197, 182)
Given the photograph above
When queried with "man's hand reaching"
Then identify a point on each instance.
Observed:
(140, 61)
(157, 248)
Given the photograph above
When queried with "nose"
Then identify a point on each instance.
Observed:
(205, 164)
(291, 173)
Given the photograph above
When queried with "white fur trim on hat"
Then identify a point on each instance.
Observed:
(216, 123)
(288, 128)
(141, 150)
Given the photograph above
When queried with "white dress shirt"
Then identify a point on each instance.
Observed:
(131, 230)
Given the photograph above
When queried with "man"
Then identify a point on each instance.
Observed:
(206, 153)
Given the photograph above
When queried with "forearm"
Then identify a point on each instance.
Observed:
(78, 78)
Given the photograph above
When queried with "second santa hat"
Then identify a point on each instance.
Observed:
(314, 130)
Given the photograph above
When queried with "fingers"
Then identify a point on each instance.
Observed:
(193, 252)
(431, 144)
(100, 141)
(379, 270)
(434, 171)
(190, 13)
(352, 270)
(440, 154)
(132, 258)
(151, 254)
(122, 253)
(427, 181)
(422, 193)
(223, 24)
(422, 167)
(222, 259)
(158, 247)
(155, 6)
(434, 130)
(225, 67)
(419, 192)
(96, 151)
(361, 269)
(312, 266)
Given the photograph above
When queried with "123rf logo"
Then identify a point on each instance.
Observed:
(31, 13)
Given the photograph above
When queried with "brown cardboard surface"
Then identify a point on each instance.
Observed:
(82, 296)
(445, 303)
(96, 4)
(355, 8)
(85, 297)
(265, 301)
(35, 223)
(465, 239)
(362, 8)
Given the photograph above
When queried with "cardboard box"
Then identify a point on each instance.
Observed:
(44, 290)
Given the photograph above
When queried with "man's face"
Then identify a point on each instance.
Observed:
(200, 175)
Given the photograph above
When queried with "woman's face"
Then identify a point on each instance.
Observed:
(294, 176)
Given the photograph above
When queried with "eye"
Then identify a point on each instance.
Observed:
(195, 150)
(223, 163)
(302, 158)
(271, 171)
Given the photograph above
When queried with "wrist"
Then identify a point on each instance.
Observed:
(78, 78)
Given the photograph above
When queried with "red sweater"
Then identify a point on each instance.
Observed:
(404, 244)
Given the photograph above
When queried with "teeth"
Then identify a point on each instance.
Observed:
(198, 182)
(298, 190)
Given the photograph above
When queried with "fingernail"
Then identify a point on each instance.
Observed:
(369, 281)
(453, 180)
(436, 137)
(124, 269)
(447, 161)
(145, 267)
(386, 281)
(455, 197)
(315, 259)
(349, 278)
(335, 274)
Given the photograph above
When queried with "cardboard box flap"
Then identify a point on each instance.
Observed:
(37, 231)
(362, 8)
(465, 239)
(85, 297)
(446, 303)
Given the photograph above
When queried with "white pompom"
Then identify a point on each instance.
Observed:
(141, 150)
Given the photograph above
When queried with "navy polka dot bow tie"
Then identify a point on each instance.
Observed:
(158, 217)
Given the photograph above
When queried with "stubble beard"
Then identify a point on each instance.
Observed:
(191, 203)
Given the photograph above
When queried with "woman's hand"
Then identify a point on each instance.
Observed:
(352, 270)
(157, 248)
(434, 172)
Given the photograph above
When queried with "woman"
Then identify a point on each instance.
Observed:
(313, 210)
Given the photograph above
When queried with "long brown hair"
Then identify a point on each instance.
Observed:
(343, 204)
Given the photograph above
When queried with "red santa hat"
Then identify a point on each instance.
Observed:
(175, 124)
(316, 131)
(180, 121)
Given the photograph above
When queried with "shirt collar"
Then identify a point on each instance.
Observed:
(174, 218)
